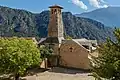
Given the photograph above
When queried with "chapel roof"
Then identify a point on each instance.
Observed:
(84, 41)
(49, 40)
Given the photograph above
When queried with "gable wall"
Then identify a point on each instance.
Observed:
(78, 58)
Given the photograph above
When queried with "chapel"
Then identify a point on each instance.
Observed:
(73, 53)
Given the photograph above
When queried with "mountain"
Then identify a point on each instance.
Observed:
(15, 22)
(109, 16)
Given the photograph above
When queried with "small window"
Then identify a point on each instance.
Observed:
(52, 11)
(55, 11)
(94, 45)
(71, 49)
(60, 11)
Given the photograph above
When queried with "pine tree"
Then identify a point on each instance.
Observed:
(107, 64)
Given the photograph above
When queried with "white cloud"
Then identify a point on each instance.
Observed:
(97, 3)
(80, 4)
(103, 1)
(94, 3)
(105, 6)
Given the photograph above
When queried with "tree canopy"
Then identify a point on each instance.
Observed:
(107, 64)
(17, 54)
(46, 52)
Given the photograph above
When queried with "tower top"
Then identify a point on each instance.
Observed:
(56, 6)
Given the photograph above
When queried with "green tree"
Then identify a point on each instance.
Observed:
(107, 64)
(46, 52)
(17, 55)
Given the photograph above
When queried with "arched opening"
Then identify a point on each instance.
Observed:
(55, 11)
(52, 11)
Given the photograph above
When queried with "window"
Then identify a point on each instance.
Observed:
(55, 11)
(71, 49)
(94, 45)
(52, 11)
(60, 11)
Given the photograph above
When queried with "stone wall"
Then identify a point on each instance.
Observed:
(73, 55)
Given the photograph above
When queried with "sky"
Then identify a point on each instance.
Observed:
(74, 6)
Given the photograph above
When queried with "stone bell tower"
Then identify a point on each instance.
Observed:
(55, 30)
(55, 27)
(55, 33)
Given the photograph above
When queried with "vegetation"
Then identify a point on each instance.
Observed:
(45, 51)
(68, 37)
(14, 22)
(107, 64)
(17, 55)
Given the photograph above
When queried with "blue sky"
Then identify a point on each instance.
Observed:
(74, 6)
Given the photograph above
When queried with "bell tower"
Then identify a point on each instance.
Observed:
(55, 32)
(55, 27)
